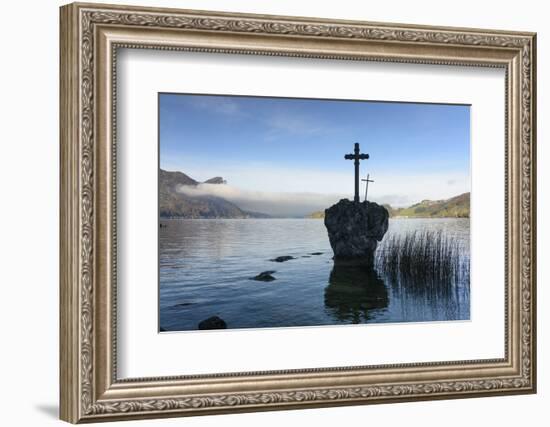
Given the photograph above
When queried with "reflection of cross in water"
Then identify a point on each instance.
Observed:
(356, 157)
(367, 189)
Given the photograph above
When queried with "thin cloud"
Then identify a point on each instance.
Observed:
(272, 203)
(293, 124)
(220, 105)
(293, 204)
(274, 190)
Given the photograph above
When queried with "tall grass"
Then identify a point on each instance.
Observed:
(422, 258)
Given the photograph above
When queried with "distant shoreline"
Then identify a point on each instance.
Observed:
(238, 219)
(308, 218)
(455, 207)
(416, 217)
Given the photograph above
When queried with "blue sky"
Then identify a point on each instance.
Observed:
(297, 146)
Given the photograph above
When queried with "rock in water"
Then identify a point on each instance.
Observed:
(282, 258)
(354, 230)
(213, 322)
(264, 276)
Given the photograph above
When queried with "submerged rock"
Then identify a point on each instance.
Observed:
(183, 304)
(213, 322)
(264, 276)
(282, 258)
(354, 230)
(316, 253)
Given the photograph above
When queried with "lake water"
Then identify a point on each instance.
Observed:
(206, 266)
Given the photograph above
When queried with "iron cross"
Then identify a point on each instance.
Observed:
(367, 189)
(356, 157)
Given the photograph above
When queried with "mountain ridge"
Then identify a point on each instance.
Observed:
(176, 204)
(453, 207)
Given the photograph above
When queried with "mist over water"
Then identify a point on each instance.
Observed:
(206, 266)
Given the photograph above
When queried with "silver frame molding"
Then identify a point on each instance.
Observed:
(90, 37)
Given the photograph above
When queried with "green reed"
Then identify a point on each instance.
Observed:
(421, 258)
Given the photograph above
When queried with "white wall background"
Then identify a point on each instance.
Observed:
(29, 171)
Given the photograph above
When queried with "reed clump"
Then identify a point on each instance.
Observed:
(421, 258)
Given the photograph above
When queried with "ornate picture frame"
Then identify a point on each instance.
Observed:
(90, 37)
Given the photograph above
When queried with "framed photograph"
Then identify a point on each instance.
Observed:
(266, 212)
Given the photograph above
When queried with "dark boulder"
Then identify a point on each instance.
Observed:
(354, 230)
(264, 276)
(282, 258)
(213, 322)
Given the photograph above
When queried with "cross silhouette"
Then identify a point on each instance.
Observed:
(367, 189)
(356, 157)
